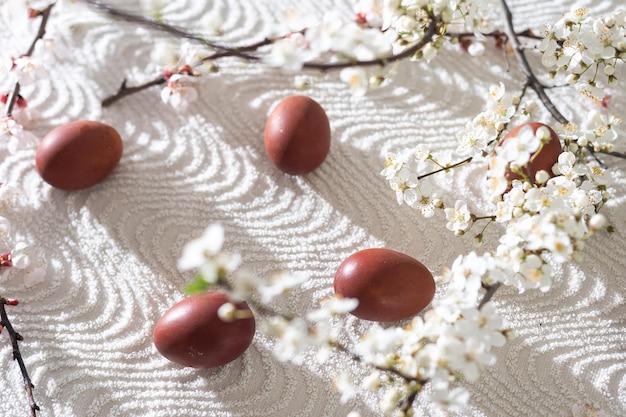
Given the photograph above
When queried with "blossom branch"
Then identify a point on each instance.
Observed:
(15, 93)
(244, 52)
(430, 32)
(15, 338)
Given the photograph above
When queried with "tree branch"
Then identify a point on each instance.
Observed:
(124, 91)
(15, 338)
(15, 93)
(533, 82)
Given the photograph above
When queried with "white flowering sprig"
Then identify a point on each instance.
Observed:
(14, 254)
(294, 336)
(378, 34)
(451, 343)
(586, 49)
(546, 217)
(25, 70)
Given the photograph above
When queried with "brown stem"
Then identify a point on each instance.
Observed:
(491, 290)
(15, 94)
(124, 91)
(615, 154)
(15, 338)
(164, 27)
(528, 33)
(533, 82)
(45, 15)
(456, 165)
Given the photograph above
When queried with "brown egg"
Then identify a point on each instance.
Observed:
(78, 154)
(297, 135)
(191, 333)
(547, 156)
(389, 285)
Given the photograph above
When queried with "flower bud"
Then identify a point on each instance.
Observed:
(572, 78)
(6, 260)
(609, 69)
(227, 312)
(541, 177)
(598, 221)
(11, 301)
(613, 81)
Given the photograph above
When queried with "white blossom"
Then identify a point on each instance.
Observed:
(459, 217)
(280, 284)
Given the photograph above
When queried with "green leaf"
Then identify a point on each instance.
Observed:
(196, 286)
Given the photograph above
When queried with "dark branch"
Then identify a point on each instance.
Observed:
(163, 27)
(124, 91)
(491, 290)
(17, 355)
(533, 82)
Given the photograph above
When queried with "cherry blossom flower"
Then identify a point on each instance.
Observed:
(280, 284)
(459, 217)
(205, 254)
(178, 93)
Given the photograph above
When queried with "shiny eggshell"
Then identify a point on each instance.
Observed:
(78, 154)
(389, 285)
(191, 333)
(297, 135)
(544, 160)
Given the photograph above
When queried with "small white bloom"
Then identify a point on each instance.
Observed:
(333, 306)
(422, 152)
(459, 217)
(226, 312)
(178, 93)
(344, 384)
(197, 251)
(356, 78)
(281, 284)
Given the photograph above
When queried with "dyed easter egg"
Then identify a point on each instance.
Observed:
(192, 334)
(78, 154)
(297, 135)
(389, 285)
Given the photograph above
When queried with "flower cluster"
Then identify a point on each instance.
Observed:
(180, 69)
(547, 213)
(294, 336)
(586, 49)
(452, 342)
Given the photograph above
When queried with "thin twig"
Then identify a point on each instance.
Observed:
(15, 94)
(124, 91)
(17, 355)
(163, 27)
(447, 168)
(491, 290)
(533, 82)
(45, 15)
